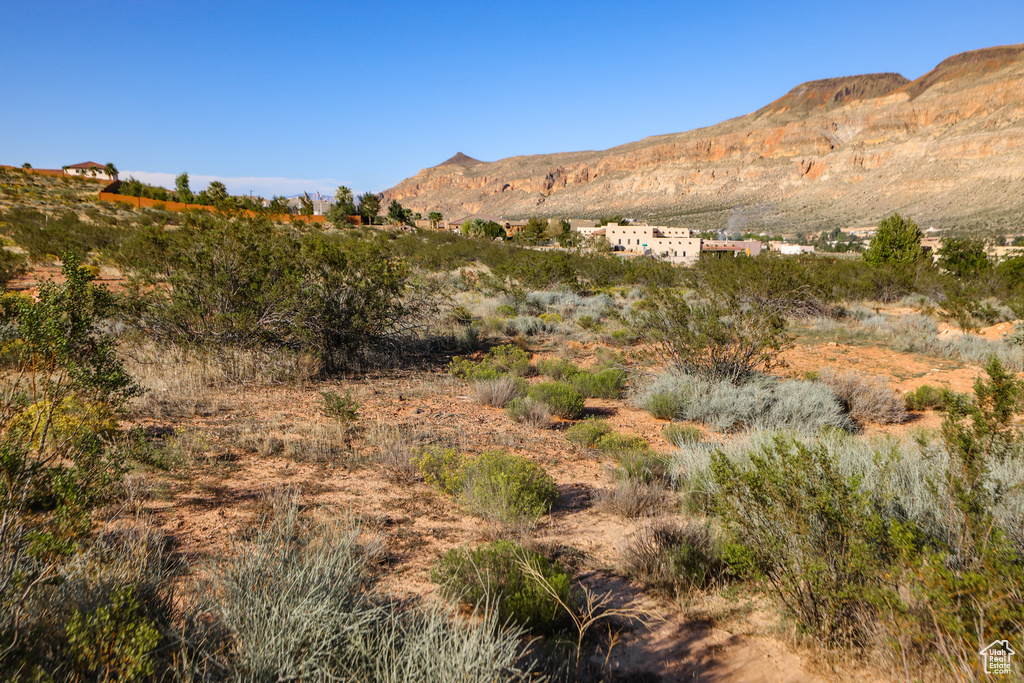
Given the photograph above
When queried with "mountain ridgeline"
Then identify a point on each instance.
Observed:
(946, 149)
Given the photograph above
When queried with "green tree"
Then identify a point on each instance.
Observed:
(111, 170)
(369, 207)
(435, 218)
(305, 205)
(217, 191)
(181, 187)
(345, 202)
(897, 240)
(483, 229)
(534, 232)
(396, 214)
(964, 257)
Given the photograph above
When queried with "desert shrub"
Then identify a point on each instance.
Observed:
(500, 360)
(631, 499)
(11, 266)
(530, 412)
(557, 368)
(114, 640)
(608, 383)
(681, 435)
(344, 408)
(642, 466)
(588, 433)
(495, 484)
(498, 392)
(925, 397)
(797, 524)
(759, 402)
(1015, 337)
(43, 235)
(507, 488)
(866, 399)
(493, 574)
(527, 325)
(662, 405)
(505, 311)
(675, 559)
(243, 282)
(550, 318)
(65, 386)
(299, 602)
(711, 340)
(615, 444)
(442, 469)
(561, 399)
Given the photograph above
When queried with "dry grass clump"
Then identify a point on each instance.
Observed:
(394, 450)
(497, 392)
(673, 558)
(632, 499)
(530, 412)
(866, 399)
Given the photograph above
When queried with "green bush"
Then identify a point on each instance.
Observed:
(925, 397)
(588, 433)
(615, 444)
(507, 488)
(663, 405)
(493, 574)
(344, 408)
(114, 640)
(608, 383)
(506, 311)
(500, 360)
(561, 399)
(642, 466)
(442, 469)
(807, 532)
(557, 368)
(43, 235)
(494, 485)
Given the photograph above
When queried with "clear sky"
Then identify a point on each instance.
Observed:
(280, 97)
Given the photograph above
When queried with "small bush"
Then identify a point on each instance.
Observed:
(395, 453)
(529, 412)
(557, 368)
(616, 444)
(588, 433)
(681, 435)
(561, 399)
(115, 639)
(867, 399)
(675, 560)
(344, 408)
(663, 405)
(505, 311)
(442, 469)
(605, 384)
(631, 499)
(493, 574)
(925, 397)
(507, 488)
(642, 466)
(498, 392)
(501, 360)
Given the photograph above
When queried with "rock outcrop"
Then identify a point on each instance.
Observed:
(946, 149)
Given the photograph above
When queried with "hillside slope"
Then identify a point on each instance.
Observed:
(947, 149)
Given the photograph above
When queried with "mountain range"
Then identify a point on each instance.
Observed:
(946, 149)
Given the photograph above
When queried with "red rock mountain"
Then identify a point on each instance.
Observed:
(946, 149)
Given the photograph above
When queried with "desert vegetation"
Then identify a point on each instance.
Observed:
(235, 449)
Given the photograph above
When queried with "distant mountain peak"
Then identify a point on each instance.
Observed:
(460, 159)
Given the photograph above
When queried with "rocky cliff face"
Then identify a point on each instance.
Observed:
(946, 149)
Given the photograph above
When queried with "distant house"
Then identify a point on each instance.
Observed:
(88, 169)
(321, 204)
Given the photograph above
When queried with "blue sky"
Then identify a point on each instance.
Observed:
(276, 97)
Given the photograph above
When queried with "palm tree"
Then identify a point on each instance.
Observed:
(343, 195)
(111, 170)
